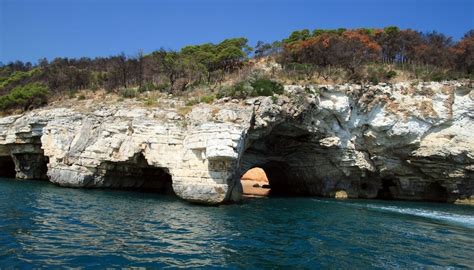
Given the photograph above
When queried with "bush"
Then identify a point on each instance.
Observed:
(239, 90)
(163, 87)
(252, 88)
(81, 97)
(192, 102)
(147, 87)
(432, 73)
(208, 99)
(128, 92)
(27, 96)
(71, 93)
(379, 74)
(150, 102)
(436, 76)
(266, 87)
(18, 76)
(391, 74)
(300, 71)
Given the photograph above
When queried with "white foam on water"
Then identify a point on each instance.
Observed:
(467, 220)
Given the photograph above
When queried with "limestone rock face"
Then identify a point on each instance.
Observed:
(401, 141)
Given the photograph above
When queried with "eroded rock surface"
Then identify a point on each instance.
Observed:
(400, 141)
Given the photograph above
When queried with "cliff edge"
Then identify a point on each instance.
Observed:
(388, 141)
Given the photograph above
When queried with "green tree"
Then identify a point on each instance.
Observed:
(25, 97)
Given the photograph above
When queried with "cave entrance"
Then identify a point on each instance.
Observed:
(266, 179)
(7, 167)
(282, 156)
(31, 166)
(434, 192)
(136, 174)
(388, 189)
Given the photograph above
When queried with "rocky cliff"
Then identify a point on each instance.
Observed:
(400, 141)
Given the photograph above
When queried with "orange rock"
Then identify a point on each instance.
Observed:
(255, 174)
(252, 182)
(249, 188)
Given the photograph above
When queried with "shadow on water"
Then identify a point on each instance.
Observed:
(44, 225)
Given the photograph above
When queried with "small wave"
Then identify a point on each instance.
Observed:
(466, 220)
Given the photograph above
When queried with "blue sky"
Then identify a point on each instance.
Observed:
(31, 29)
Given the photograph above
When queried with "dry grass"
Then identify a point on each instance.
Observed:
(183, 111)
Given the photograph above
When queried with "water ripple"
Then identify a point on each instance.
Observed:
(45, 226)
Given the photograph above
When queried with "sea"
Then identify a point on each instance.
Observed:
(45, 226)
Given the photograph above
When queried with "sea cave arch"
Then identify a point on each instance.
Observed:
(288, 156)
(24, 164)
(136, 174)
(265, 179)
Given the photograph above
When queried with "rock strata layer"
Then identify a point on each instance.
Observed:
(401, 141)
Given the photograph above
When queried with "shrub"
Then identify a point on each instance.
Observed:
(27, 96)
(192, 102)
(266, 87)
(81, 97)
(436, 76)
(431, 73)
(274, 99)
(239, 90)
(150, 102)
(379, 74)
(71, 94)
(18, 76)
(391, 74)
(300, 70)
(128, 92)
(163, 87)
(208, 99)
(147, 87)
(252, 88)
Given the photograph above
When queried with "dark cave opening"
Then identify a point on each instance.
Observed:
(7, 167)
(276, 180)
(267, 179)
(364, 186)
(32, 166)
(136, 174)
(277, 173)
(434, 192)
(281, 155)
(387, 190)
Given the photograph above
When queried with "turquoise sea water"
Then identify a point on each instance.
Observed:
(42, 225)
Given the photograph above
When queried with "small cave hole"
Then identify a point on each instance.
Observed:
(32, 166)
(136, 174)
(7, 167)
(387, 190)
(266, 180)
(434, 192)
(364, 186)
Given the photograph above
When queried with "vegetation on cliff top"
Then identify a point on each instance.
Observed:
(27, 96)
(229, 67)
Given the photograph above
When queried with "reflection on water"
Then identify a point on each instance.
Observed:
(43, 225)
